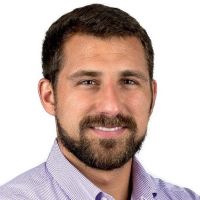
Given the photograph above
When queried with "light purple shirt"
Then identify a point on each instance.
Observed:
(58, 179)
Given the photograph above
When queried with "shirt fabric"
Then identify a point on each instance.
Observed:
(58, 179)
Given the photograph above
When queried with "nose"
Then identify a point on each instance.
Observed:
(109, 101)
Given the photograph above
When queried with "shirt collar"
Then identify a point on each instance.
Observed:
(72, 182)
(144, 186)
(77, 186)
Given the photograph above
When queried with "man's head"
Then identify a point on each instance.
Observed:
(95, 20)
(98, 69)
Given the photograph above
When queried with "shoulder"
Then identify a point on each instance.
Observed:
(175, 192)
(26, 185)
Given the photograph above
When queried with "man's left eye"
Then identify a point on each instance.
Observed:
(129, 82)
(88, 82)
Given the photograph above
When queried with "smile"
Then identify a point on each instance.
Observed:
(106, 132)
(108, 129)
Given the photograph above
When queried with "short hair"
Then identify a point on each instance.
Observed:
(96, 20)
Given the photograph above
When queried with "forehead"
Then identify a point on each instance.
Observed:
(90, 51)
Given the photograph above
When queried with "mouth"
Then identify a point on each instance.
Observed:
(108, 132)
(108, 129)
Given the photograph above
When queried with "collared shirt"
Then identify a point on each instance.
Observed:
(58, 179)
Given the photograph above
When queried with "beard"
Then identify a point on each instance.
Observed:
(103, 153)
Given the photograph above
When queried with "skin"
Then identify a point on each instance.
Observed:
(121, 85)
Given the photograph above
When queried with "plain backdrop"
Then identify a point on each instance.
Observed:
(171, 149)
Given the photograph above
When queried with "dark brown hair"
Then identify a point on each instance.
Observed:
(97, 20)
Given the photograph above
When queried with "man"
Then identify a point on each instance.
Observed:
(98, 83)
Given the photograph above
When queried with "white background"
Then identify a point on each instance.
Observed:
(171, 150)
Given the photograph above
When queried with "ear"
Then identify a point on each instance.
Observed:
(47, 97)
(154, 94)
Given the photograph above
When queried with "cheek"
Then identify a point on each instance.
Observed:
(139, 103)
(69, 101)
(77, 104)
(139, 107)
(71, 109)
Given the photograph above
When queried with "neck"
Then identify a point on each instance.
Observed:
(117, 182)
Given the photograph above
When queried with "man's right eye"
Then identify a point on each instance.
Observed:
(88, 82)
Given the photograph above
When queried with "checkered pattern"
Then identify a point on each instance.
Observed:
(57, 179)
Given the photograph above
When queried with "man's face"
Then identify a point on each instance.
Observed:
(103, 99)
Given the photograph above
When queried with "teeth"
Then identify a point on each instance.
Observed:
(108, 129)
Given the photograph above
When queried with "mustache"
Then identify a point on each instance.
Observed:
(103, 120)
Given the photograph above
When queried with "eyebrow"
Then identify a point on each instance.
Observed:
(125, 73)
(131, 73)
(82, 73)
